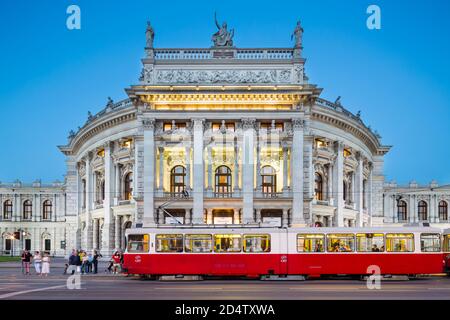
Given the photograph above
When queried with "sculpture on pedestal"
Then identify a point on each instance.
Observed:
(223, 37)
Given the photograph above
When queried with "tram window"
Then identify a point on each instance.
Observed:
(310, 243)
(227, 243)
(430, 242)
(400, 242)
(256, 243)
(198, 243)
(370, 242)
(138, 243)
(169, 243)
(446, 243)
(343, 242)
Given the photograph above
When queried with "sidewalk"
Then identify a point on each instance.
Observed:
(55, 263)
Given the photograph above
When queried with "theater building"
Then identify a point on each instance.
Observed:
(215, 136)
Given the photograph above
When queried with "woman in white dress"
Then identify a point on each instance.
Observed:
(37, 259)
(46, 265)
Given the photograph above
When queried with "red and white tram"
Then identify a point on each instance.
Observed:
(256, 252)
(446, 249)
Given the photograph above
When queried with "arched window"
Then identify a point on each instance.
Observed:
(318, 187)
(128, 186)
(402, 212)
(83, 185)
(423, 211)
(27, 210)
(7, 209)
(177, 175)
(443, 211)
(269, 180)
(47, 209)
(223, 181)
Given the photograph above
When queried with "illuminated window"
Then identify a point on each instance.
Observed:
(27, 210)
(257, 243)
(402, 211)
(128, 186)
(443, 211)
(228, 125)
(269, 180)
(101, 153)
(430, 242)
(7, 209)
(198, 243)
(177, 177)
(347, 153)
(310, 243)
(171, 126)
(320, 143)
(169, 243)
(370, 242)
(47, 210)
(344, 242)
(223, 182)
(399, 242)
(318, 187)
(268, 126)
(227, 243)
(423, 211)
(127, 144)
(138, 243)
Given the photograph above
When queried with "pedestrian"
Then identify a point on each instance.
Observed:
(96, 256)
(73, 262)
(37, 259)
(79, 254)
(46, 265)
(26, 259)
(84, 263)
(116, 262)
(89, 262)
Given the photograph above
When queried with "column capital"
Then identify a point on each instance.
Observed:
(298, 123)
(248, 123)
(148, 123)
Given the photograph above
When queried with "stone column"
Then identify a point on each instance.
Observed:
(210, 178)
(433, 216)
(285, 170)
(359, 194)
(209, 216)
(117, 228)
(88, 214)
(236, 216)
(258, 215)
(108, 224)
(198, 183)
(285, 218)
(369, 193)
(248, 156)
(188, 168)
(55, 208)
(161, 170)
(297, 173)
(187, 216)
(149, 172)
(412, 209)
(95, 243)
(338, 184)
(258, 167)
(236, 189)
(330, 185)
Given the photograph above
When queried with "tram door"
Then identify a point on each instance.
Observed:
(283, 250)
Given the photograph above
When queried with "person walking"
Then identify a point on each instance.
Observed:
(84, 263)
(46, 265)
(37, 259)
(116, 262)
(26, 260)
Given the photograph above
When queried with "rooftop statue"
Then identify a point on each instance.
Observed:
(223, 37)
(298, 34)
(149, 35)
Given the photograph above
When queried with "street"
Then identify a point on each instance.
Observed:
(15, 286)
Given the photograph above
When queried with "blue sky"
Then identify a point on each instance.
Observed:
(398, 76)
